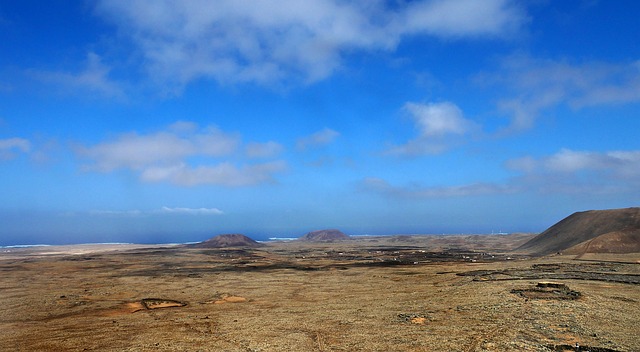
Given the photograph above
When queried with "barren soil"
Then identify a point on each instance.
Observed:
(416, 293)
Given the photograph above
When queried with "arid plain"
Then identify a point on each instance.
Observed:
(397, 293)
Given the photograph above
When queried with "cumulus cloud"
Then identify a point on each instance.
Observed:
(439, 125)
(436, 119)
(94, 78)
(9, 147)
(318, 139)
(536, 85)
(165, 156)
(381, 186)
(272, 41)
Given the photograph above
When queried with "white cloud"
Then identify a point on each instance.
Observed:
(192, 211)
(224, 174)
(618, 163)
(536, 85)
(321, 138)
(9, 147)
(136, 152)
(440, 126)
(94, 78)
(462, 18)
(263, 150)
(272, 41)
(162, 148)
(580, 172)
(166, 156)
(436, 119)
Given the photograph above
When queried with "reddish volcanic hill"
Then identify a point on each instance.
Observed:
(324, 235)
(594, 231)
(228, 240)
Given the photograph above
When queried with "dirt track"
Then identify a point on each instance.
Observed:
(358, 296)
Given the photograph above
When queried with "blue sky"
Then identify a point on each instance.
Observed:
(171, 121)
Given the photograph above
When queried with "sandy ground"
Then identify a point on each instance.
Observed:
(364, 295)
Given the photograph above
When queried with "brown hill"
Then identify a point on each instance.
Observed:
(228, 240)
(588, 225)
(625, 241)
(324, 235)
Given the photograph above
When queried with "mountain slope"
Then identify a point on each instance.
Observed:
(581, 227)
(325, 235)
(625, 241)
(228, 240)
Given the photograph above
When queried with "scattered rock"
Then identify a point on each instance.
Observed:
(563, 348)
(548, 290)
(551, 284)
(418, 319)
(156, 303)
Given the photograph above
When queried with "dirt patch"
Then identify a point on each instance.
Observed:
(418, 319)
(221, 298)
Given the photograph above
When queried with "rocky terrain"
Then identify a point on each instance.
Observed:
(404, 293)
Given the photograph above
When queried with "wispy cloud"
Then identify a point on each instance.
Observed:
(536, 85)
(127, 213)
(93, 78)
(192, 211)
(440, 126)
(381, 186)
(578, 173)
(137, 151)
(165, 156)
(619, 163)
(463, 18)
(10, 146)
(275, 41)
(263, 150)
(318, 139)
(162, 210)
(224, 174)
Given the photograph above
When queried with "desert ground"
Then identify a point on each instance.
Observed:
(399, 293)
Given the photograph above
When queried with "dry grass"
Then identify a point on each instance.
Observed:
(303, 297)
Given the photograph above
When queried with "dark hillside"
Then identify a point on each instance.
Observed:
(228, 240)
(584, 226)
(325, 235)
